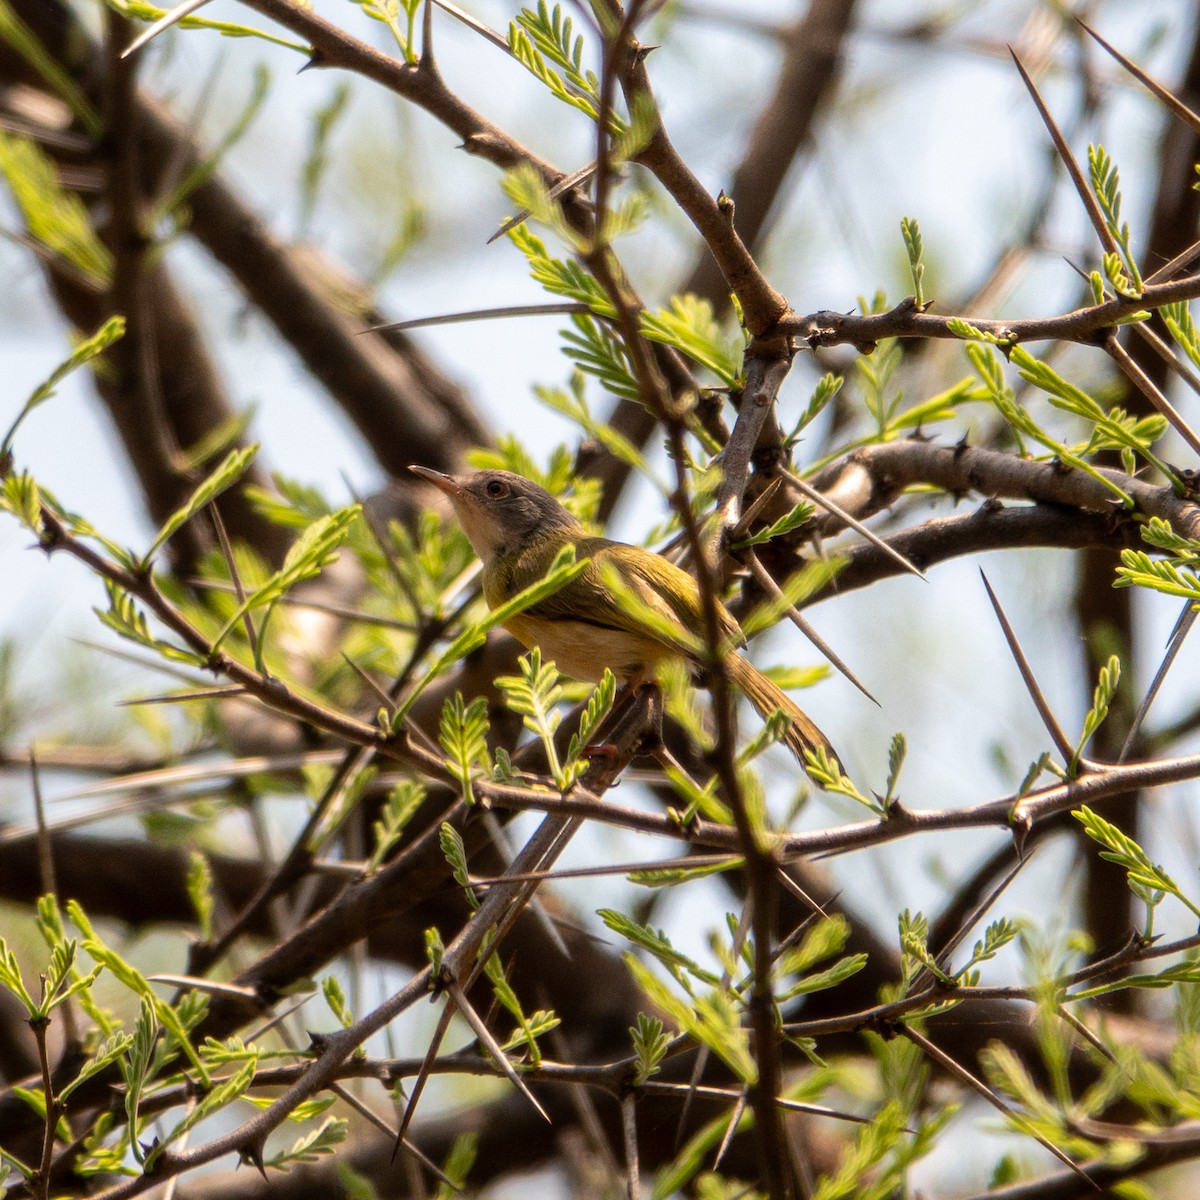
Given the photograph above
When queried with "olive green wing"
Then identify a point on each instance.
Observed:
(628, 588)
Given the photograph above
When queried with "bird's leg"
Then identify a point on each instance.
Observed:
(637, 715)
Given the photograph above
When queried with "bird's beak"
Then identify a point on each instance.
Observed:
(444, 483)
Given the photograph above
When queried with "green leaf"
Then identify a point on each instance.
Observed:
(1106, 184)
(972, 333)
(896, 755)
(644, 122)
(601, 354)
(1138, 569)
(997, 935)
(672, 876)
(143, 11)
(214, 1101)
(790, 520)
(1178, 973)
(562, 571)
(529, 1029)
(106, 1053)
(794, 678)
(311, 553)
(463, 735)
(199, 890)
(1111, 428)
(455, 854)
(1105, 689)
(86, 350)
(819, 981)
(691, 328)
(21, 496)
(914, 934)
(655, 942)
(234, 466)
(1145, 878)
(457, 1165)
(539, 39)
(135, 1069)
(388, 12)
(826, 772)
(713, 1020)
(650, 1043)
(942, 406)
(827, 388)
(825, 939)
(56, 218)
(914, 247)
(1063, 395)
(598, 706)
(128, 621)
(558, 276)
(10, 978)
(535, 694)
(402, 804)
(335, 998)
(1182, 327)
(132, 978)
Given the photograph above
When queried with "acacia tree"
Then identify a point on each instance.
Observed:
(338, 662)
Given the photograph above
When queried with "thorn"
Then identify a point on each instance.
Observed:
(1020, 826)
(253, 1154)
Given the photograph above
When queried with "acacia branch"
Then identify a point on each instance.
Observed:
(909, 320)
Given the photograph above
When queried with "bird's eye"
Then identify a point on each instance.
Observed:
(496, 488)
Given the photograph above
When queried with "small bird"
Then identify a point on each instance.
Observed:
(518, 529)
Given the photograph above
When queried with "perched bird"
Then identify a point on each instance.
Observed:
(518, 529)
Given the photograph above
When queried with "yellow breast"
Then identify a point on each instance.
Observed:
(582, 650)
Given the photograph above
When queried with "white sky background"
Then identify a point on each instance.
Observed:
(946, 136)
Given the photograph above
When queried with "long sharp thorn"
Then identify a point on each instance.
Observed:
(798, 619)
(435, 1044)
(164, 22)
(493, 1047)
(964, 1076)
(836, 509)
(1183, 626)
(1068, 159)
(1031, 684)
(1160, 93)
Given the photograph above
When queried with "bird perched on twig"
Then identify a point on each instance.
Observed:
(518, 530)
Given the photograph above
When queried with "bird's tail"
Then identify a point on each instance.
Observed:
(767, 697)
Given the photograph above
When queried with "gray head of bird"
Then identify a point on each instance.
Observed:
(500, 512)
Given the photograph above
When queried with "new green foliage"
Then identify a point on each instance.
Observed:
(544, 41)
(463, 735)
